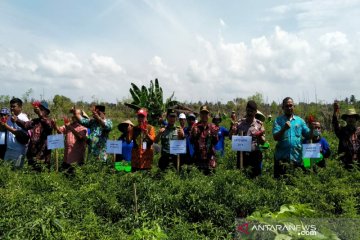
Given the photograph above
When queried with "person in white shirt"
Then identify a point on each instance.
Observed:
(17, 137)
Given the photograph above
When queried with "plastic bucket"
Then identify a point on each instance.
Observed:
(307, 162)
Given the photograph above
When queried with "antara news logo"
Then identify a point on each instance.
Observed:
(247, 229)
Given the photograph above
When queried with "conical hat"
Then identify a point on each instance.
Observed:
(127, 122)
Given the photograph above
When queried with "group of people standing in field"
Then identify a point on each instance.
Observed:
(205, 138)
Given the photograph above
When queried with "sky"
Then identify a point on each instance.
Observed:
(213, 50)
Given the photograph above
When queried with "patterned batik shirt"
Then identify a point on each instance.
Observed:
(204, 136)
(253, 129)
(40, 129)
(97, 137)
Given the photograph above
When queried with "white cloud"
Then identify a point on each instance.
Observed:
(280, 64)
(334, 39)
(13, 60)
(105, 64)
(157, 63)
(168, 76)
(64, 73)
(60, 63)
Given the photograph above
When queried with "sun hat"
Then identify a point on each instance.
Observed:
(260, 116)
(204, 108)
(350, 112)
(124, 124)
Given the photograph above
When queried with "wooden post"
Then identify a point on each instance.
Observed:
(178, 163)
(54, 131)
(56, 161)
(241, 154)
(135, 200)
(114, 160)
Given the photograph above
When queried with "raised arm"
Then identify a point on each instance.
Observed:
(278, 130)
(158, 136)
(335, 122)
(79, 134)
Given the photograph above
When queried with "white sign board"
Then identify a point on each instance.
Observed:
(2, 138)
(177, 146)
(114, 147)
(55, 141)
(241, 143)
(311, 150)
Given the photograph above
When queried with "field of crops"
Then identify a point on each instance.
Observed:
(99, 203)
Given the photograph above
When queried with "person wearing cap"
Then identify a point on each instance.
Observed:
(75, 141)
(125, 127)
(250, 126)
(4, 114)
(204, 136)
(100, 127)
(184, 159)
(40, 128)
(182, 120)
(17, 138)
(165, 135)
(289, 130)
(143, 136)
(349, 136)
(222, 133)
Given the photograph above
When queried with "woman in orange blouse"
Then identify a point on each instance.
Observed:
(143, 136)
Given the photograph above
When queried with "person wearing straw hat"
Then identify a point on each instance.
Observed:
(75, 140)
(289, 131)
(260, 116)
(349, 136)
(165, 135)
(100, 127)
(17, 138)
(222, 133)
(125, 127)
(250, 126)
(40, 128)
(204, 136)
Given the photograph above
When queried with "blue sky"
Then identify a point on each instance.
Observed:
(202, 50)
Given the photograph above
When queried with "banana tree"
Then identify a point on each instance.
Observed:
(150, 98)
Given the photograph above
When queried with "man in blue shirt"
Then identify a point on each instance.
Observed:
(289, 131)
